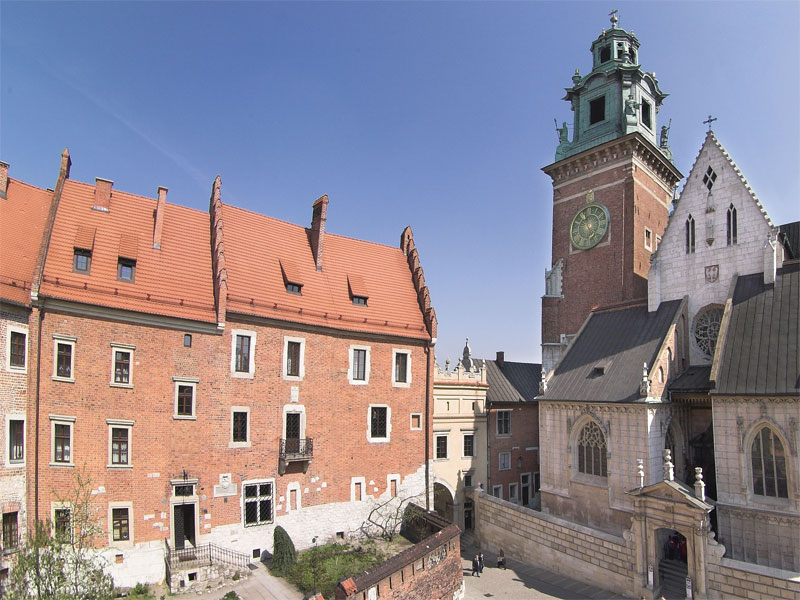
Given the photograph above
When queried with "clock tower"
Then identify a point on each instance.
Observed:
(613, 185)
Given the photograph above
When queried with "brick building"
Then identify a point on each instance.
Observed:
(23, 215)
(218, 374)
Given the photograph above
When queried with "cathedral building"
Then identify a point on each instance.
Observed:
(670, 400)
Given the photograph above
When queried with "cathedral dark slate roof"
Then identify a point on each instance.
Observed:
(604, 363)
(693, 379)
(760, 354)
(513, 382)
(790, 238)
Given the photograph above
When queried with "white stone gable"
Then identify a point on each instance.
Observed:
(706, 274)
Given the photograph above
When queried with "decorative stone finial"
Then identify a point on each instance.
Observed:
(614, 19)
(699, 484)
(543, 383)
(447, 364)
(466, 357)
(644, 386)
(669, 468)
(640, 471)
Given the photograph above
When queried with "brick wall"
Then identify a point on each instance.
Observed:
(522, 443)
(429, 570)
(583, 553)
(734, 579)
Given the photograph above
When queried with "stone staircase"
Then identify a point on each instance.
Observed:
(672, 574)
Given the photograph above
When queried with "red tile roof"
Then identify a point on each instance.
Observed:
(256, 246)
(175, 281)
(23, 217)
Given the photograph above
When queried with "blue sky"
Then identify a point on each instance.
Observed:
(434, 115)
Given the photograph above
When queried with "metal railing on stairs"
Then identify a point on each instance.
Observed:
(204, 554)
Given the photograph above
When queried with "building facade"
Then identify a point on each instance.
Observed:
(213, 375)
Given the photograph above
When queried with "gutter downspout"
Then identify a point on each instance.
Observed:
(428, 421)
(36, 436)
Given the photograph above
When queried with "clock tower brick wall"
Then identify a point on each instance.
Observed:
(634, 182)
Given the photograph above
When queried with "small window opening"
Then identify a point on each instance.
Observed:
(256, 552)
(340, 535)
(294, 288)
(360, 300)
(82, 260)
(126, 269)
(187, 340)
(709, 178)
(605, 54)
(597, 110)
(193, 576)
(647, 114)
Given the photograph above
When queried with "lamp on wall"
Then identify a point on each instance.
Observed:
(519, 463)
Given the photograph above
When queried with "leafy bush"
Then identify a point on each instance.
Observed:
(322, 567)
(285, 555)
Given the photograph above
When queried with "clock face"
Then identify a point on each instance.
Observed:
(589, 226)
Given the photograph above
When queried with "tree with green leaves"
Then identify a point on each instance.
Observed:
(284, 555)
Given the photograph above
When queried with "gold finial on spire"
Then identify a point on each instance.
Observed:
(614, 19)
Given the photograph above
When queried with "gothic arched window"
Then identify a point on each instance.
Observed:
(690, 235)
(732, 225)
(592, 451)
(706, 328)
(769, 465)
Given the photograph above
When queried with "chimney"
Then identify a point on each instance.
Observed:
(102, 194)
(501, 359)
(159, 220)
(318, 218)
(3, 178)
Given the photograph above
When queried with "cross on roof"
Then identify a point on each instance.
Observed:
(614, 19)
(709, 121)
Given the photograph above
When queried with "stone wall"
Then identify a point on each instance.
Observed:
(583, 553)
(735, 579)
(429, 570)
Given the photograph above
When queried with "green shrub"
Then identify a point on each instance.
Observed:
(284, 555)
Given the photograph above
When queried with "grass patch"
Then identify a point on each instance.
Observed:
(329, 563)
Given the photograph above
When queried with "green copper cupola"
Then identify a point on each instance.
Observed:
(616, 98)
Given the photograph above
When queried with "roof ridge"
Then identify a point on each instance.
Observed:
(30, 185)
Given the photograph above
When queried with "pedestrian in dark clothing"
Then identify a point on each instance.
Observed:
(476, 566)
(501, 559)
(480, 561)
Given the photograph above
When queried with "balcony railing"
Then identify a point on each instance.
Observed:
(295, 449)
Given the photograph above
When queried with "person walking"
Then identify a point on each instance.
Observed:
(480, 562)
(501, 559)
(476, 566)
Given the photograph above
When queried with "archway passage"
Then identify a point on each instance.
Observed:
(672, 568)
(443, 501)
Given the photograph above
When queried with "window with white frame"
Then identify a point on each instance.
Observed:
(512, 491)
(62, 520)
(357, 489)
(416, 421)
(648, 239)
(401, 359)
(240, 427)
(294, 349)
(468, 476)
(17, 349)
(185, 398)
(504, 461)
(120, 518)
(468, 444)
(61, 434)
(379, 423)
(122, 365)
(503, 422)
(64, 358)
(497, 491)
(441, 445)
(119, 442)
(243, 349)
(257, 497)
(15, 434)
(359, 365)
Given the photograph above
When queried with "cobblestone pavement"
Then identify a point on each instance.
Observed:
(520, 581)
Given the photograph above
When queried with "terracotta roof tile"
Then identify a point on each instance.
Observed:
(174, 281)
(256, 245)
(128, 245)
(357, 287)
(23, 217)
(84, 238)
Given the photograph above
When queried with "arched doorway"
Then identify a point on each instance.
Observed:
(443, 501)
(672, 566)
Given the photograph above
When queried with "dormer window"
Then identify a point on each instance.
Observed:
(82, 260)
(126, 269)
(291, 278)
(605, 54)
(358, 291)
(597, 110)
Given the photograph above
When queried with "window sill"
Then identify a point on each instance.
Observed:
(64, 379)
(20, 370)
(293, 377)
(358, 381)
(502, 435)
(372, 440)
(506, 469)
(401, 384)
(61, 464)
(239, 444)
(593, 480)
(17, 464)
(262, 524)
(440, 459)
(128, 386)
(241, 375)
(122, 467)
(184, 417)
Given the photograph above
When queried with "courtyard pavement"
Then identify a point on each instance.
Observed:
(520, 581)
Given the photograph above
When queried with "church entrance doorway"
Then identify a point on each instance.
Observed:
(443, 501)
(672, 567)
